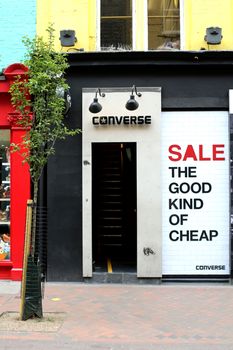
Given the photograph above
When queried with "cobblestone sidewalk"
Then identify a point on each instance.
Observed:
(128, 317)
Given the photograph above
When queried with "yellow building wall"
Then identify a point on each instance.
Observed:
(81, 16)
(201, 14)
(78, 15)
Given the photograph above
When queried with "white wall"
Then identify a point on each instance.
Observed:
(147, 137)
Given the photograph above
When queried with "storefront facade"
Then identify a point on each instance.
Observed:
(15, 182)
(121, 183)
(144, 193)
(164, 168)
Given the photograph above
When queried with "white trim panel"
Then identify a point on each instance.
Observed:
(147, 138)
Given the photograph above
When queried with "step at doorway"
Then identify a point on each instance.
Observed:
(114, 207)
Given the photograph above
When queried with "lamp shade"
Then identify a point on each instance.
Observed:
(131, 104)
(95, 106)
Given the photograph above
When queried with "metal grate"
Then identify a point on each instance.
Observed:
(41, 241)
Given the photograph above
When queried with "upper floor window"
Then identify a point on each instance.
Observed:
(116, 24)
(163, 24)
(139, 25)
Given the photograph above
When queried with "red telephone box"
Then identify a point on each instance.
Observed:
(14, 182)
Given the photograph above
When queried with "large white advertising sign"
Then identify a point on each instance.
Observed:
(195, 175)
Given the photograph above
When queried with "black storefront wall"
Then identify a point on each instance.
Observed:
(189, 81)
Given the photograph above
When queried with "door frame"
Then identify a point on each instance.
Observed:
(126, 255)
(147, 138)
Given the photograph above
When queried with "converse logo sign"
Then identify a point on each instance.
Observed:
(119, 120)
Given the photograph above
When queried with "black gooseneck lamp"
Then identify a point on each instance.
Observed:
(95, 106)
(132, 104)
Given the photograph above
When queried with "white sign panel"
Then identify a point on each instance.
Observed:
(114, 123)
(195, 175)
(231, 101)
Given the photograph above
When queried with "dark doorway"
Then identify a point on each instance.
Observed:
(114, 204)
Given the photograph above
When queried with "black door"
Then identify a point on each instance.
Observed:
(114, 206)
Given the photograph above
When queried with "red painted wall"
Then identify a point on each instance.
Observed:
(20, 178)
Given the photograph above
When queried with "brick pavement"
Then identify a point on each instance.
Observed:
(129, 317)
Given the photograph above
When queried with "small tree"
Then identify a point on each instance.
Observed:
(38, 99)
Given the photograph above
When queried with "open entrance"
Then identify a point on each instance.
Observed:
(114, 204)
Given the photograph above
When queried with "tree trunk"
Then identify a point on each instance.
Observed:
(34, 212)
(32, 303)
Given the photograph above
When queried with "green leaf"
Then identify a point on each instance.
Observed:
(40, 107)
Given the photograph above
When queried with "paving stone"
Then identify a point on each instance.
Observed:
(128, 316)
